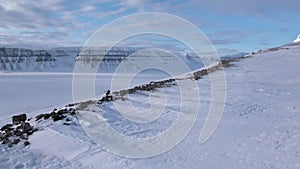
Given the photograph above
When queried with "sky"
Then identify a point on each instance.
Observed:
(233, 26)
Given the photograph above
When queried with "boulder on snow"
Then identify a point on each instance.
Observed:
(1, 136)
(7, 127)
(226, 63)
(70, 105)
(25, 127)
(18, 133)
(62, 111)
(57, 117)
(5, 141)
(16, 141)
(19, 118)
(38, 117)
(26, 143)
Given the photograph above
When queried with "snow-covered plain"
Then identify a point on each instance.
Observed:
(24, 92)
(260, 126)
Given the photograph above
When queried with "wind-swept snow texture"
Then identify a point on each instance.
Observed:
(260, 126)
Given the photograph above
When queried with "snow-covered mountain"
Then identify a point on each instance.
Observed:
(259, 129)
(63, 59)
(29, 60)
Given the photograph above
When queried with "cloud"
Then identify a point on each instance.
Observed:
(39, 22)
(44, 35)
(138, 4)
(66, 20)
(37, 18)
(37, 39)
(30, 14)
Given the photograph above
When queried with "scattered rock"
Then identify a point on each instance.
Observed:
(7, 127)
(12, 134)
(46, 116)
(57, 117)
(5, 141)
(70, 105)
(19, 118)
(18, 133)
(23, 137)
(56, 114)
(226, 63)
(62, 111)
(16, 141)
(25, 127)
(146, 87)
(38, 117)
(26, 143)
(8, 134)
(73, 112)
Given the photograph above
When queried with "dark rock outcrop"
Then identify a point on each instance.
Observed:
(26, 143)
(57, 117)
(19, 118)
(15, 141)
(7, 127)
(25, 127)
(12, 134)
(1, 136)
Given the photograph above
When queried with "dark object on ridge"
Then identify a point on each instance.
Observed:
(70, 105)
(107, 97)
(16, 141)
(57, 117)
(25, 127)
(7, 127)
(62, 111)
(38, 117)
(19, 118)
(107, 93)
(26, 143)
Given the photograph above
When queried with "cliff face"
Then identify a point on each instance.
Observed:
(63, 59)
(28, 60)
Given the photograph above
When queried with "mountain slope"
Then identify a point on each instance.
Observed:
(260, 126)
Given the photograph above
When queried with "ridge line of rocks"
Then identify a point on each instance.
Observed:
(20, 128)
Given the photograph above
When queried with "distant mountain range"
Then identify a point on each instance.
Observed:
(63, 59)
